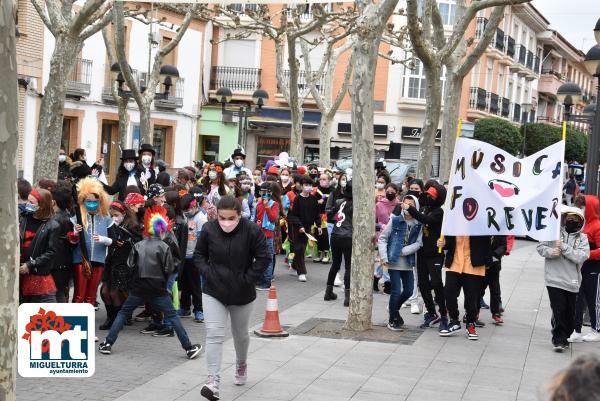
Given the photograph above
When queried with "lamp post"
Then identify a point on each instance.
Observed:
(592, 64)
(259, 97)
(169, 74)
(568, 94)
(526, 109)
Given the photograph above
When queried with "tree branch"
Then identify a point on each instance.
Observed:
(438, 26)
(43, 16)
(97, 26)
(345, 84)
(421, 47)
(121, 56)
(89, 9)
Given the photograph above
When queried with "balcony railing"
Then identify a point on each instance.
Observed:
(480, 27)
(536, 64)
(304, 81)
(529, 60)
(509, 46)
(492, 101)
(504, 109)
(517, 113)
(478, 99)
(305, 10)
(241, 8)
(79, 82)
(548, 120)
(550, 71)
(521, 54)
(238, 79)
(499, 44)
(175, 99)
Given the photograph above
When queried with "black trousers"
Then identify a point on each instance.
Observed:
(340, 247)
(299, 242)
(323, 241)
(471, 286)
(492, 280)
(589, 293)
(189, 285)
(563, 314)
(429, 273)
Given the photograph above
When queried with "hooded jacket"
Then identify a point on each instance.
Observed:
(592, 229)
(341, 214)
(564, 271)
(431, 216)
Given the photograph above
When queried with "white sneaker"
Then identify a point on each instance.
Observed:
(576, 338)
(302, 277)
(414, 308)
(592, 336)
(338, 281)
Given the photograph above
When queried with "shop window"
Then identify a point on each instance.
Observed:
(268, 148)
(210, 148)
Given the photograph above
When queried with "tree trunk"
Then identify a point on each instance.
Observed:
(361, 279)
(53, 104)
(123, 119)
(452, 96)
(145, 123)
(325, 140)
(296, 110)
(432, 118)
(9, 226)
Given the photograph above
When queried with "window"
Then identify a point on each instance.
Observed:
(500, 88)
(239, 53)
(316, 51)
(489, 74)
(210, 148)
(416, 81)
(159, 142)
(447, 11)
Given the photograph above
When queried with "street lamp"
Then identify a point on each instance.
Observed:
(592, 64)
(526, 109)
(569, 94)
(224, 96)
(168, 77)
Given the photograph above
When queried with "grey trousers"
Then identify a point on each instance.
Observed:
(215, 320)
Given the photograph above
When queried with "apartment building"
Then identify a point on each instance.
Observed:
(90, 113)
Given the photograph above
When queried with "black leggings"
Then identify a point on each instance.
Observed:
(471, 286)
(429, 273)
(340, 247)
(589, 293)
(323, 241)
(492, 279)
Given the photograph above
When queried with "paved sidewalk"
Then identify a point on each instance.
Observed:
(512, 362)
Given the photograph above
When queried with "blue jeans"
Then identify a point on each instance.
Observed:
(267, 276)
(402, 282)
(171, 282)
(162, 303)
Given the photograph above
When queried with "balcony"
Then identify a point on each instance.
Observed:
(549, 82)
(504, 109)
(238, 79)
(499, 42)
(240, 8)
(529, 63)
(175, 99)
(79, 82)
(478, 103)
(517, 113)
(480, 24)
(304, 82)
(521, 54)
(508, 46)
(492, 102)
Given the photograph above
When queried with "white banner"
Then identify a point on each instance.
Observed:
(492, 192)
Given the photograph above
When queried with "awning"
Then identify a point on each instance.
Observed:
(282, 118)
(384, 146)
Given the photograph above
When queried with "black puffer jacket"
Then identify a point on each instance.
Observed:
(431, 216)
(231, 263)
(41, 254)
(341, 217)
(64, 258)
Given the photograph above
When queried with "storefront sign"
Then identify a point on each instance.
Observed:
(415, 133)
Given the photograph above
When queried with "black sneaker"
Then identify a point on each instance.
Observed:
(151, 328)
(482, 304)
(560, 347)
(429, 320)
(479, 323)
(453, 327)
(193, 351)
(395, 325)
(105, 347)
(387, 287)
(164, 332)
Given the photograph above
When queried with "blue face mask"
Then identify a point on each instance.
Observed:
(91, 205)
(31, 208)
(265, 196)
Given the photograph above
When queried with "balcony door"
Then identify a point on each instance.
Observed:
(110, 148)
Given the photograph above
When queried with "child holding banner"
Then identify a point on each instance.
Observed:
(562, 273)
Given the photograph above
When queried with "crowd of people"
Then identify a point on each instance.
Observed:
(200, 243)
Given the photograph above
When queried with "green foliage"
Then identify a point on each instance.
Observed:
(499, 133)
(539, 136)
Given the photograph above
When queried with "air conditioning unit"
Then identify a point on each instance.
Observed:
(230, 118)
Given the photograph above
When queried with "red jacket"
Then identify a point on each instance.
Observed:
(272, 215)
(592, 226)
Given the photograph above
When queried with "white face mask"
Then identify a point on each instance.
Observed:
(212, 175)
(146, 160)
(118, 220)
(129, 166)
(343, 183)
(379, 185)
(285, 179)
(239, 163)
(62, 158)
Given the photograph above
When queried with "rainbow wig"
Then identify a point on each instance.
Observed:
(156, 222)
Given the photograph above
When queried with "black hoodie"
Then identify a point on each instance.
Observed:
(431, 217)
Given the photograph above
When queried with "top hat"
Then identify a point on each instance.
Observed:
(238, 152)
(146, 147)
(129, 154)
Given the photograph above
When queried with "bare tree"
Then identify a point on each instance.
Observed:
(145, 97)
(121, 101)
(328, 102)
(70, 29)
(9, 226)
(370, 26)
(434, 50)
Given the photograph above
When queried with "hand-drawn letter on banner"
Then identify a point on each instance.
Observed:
(492, 192)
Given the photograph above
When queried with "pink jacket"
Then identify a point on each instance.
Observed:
(383, 210)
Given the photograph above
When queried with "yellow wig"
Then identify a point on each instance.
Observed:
(91, 186)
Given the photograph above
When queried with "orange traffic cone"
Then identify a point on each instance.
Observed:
(271, 326)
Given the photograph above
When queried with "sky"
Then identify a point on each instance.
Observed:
(574, 19)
